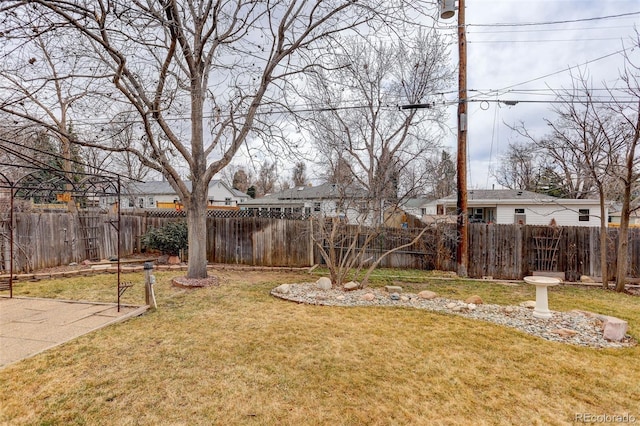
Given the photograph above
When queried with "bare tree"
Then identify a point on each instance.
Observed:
(590, 133)
(267, 178)
(240, 180)
(370, 142)
(42, 87)
(593, 144)
(358, 126)
(627, 114)
(299, 176)
(198, 72)
(519, 167)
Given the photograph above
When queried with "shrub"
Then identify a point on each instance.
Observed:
(169, 239)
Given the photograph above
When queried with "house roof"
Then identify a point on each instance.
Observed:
(508, 196)
(417, 202)
(164, 188)
(297, 195)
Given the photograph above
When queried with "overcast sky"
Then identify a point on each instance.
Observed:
(511, 56)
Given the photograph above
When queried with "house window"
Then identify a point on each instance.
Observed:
(423, 212)
(227, 201)
(316, 207)
(131, 202)
(141, 202)
(519, 211)
(151, 202)
(583, 215)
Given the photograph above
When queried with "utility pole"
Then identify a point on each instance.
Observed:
(462, 250)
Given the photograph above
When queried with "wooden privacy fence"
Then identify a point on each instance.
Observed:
(501, 251)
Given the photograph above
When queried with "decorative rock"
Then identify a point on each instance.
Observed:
(73, 264)
(460, 308)
(393, 289)
(475, 299)
(324, 283)
(529, 304)
(508, 310)
(283, 288)
(394, 296)
(615, 329)
(404, 298)
(564, 332)
(351, 285)
(427, 294)
(586, 279)
(451, 305)
(341, 297)
(368, 297)
(472, 306)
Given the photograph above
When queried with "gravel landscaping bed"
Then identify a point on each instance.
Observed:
(575, 327)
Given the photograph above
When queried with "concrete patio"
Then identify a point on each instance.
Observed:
(29, 326)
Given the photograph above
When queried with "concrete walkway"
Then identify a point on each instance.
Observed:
(29, 326)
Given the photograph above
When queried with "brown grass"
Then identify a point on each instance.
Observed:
(234, 355)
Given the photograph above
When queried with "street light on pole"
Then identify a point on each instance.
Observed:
(447, 10)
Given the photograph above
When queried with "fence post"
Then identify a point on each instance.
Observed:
(149, 280)
(311, 248)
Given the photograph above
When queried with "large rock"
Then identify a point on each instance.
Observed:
(351, 285)
(324, 283)
(475, 299)
(564, 332)
(586, 279)
(427, 294)
(614, 329)
(283, 288)
(368, 297)
(529, 304)
(393, 289)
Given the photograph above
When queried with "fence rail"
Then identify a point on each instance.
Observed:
(501, 251)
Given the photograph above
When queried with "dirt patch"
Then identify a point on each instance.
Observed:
(185, 282)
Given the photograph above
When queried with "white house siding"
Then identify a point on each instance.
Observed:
(543, 214)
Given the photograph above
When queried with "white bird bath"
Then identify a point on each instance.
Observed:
(542, 300)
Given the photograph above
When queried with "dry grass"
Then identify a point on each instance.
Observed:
(234, 355)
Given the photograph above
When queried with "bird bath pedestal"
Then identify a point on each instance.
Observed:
(542, 300)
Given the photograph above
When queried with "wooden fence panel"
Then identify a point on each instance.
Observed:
(501, 251)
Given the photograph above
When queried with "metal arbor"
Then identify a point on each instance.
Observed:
(49, 185)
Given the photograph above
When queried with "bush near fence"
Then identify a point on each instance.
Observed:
(500, 251)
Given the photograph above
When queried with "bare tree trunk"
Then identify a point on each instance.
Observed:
(623, 244)
(603, 239)
(197, 221)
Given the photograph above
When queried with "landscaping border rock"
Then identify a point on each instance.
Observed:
(575, 327)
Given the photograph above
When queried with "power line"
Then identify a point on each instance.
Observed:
(575, 40)
(561, 71)
(568, 21)
(544, 30)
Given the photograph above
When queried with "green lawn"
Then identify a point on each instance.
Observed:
(235, 355)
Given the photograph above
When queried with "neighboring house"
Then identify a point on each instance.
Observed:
(160, 195)
(615, 216)
(328, 200)
(506, 206)
(426, 210)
